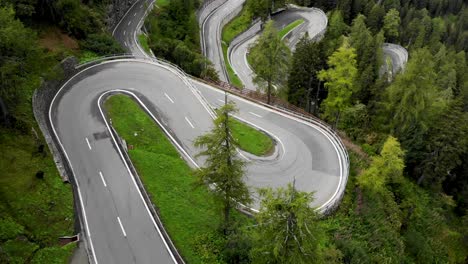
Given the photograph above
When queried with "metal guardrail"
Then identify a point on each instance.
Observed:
(276, 104)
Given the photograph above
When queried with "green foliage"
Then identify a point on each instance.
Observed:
(224, 168)
(286, 230)
(101, 44)
(54, 255)
(289, 27)
(391, 24)
(386, 168)
(368, 57)
(264, 8)
(413, 99)
(174, 36)
(250, 139)
(303, 83)
(76, 18)
(238, 25)
(21, 59)
(355, 121)
(18, 251)
(188, 213)
(339, 81)
(270, 59)
(445, 145)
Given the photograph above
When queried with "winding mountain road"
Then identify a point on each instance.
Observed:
(119, 227)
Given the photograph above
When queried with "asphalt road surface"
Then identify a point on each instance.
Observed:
(118, 223)
(315, 22)
(211, 35)
(398, 56)
(121, 228)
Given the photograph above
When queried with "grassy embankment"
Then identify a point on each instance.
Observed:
(143, 40)
(289, 27)
(189, 213)
(230, 31)
(34, 212)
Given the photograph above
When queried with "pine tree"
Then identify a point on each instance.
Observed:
(303, 83)
(270, 60)
(286, 230)
(224, 170)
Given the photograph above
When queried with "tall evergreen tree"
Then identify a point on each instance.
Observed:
(303, 83)
(391, 25)
(340, 81)
(413, 100)
(447, 141)
(287, 228)
(270, 60)
(223, 168)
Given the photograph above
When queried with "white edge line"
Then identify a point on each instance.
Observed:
(321, 130)
(102, 178)
(266, 131)
(255, 114)
(125, 162)
(121, 227)
(113, 31)
(188, 121)
(170, 99)
(80, 197)
(87, 141)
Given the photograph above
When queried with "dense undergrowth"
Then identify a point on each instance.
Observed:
(36, 207)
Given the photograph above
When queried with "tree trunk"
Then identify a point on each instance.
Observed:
(335, 126)
(269, 92)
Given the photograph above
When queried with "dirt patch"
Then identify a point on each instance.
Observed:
(55, 40)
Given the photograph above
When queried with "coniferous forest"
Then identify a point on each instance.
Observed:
(407, 133)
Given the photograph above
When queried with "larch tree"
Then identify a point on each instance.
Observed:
(270, 60)
(391, 25)
(286, 230)
(385, 168)
(224, 170)
(340, 81)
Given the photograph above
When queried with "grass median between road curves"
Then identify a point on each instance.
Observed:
(232, 75)
(189, 214)
(238, 25)
(289, 27)
(250, 139)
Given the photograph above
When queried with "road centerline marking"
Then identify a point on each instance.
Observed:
(255, 114)
(134, 14)
(188, 121)
(121, 226)
(102, 178)
(87, 141)
(125, 32)
(168, 97)
(129, 22)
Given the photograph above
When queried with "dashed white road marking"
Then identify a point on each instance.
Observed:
(102, 178)
(125, 43)
(121, 226)
(141, 6)
(170, 99)
(129, 22)
(125, 32)
(222, 101)
(134, 14)
(87, 141)
(188, 121)
(255, 114)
